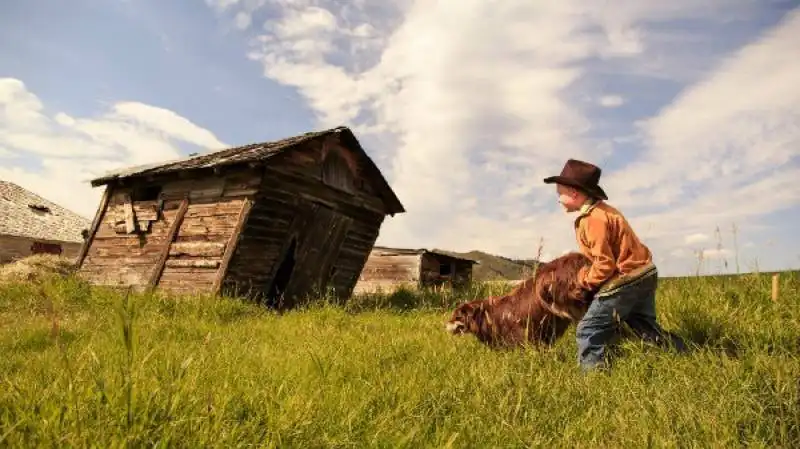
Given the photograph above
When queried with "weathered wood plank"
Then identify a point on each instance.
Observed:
(172, 278)
(294, 184)
(145, 214)
(188, 275)
(229, 207)
(186, 288)
(192, 263)
(202, 249)
(231, 245)
(201, 238)
(133, 275)
(122, 261)
(120, 252)
(173, 231)
(130, 216)
(245, 184)
(130, 241)
(211, 189)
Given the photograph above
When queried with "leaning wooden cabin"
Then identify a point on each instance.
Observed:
(390, 268)
(268, 220)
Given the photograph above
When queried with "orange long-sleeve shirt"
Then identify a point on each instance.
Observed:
(617, 254)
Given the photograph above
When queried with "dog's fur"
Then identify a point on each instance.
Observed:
(538, 311)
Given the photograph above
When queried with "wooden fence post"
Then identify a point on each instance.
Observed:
(775, 287)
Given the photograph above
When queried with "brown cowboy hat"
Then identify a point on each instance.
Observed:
(581, 175)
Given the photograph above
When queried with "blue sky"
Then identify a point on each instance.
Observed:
(692, 111)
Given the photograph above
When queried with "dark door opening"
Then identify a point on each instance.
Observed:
(282, 276)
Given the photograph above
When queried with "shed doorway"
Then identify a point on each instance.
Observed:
(282, 276)
(318, 233)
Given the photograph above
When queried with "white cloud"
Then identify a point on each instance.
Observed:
(716, 253)
(611, 101)
(679, 253)
(243, 20)
(70, 150)
(472, 110)
(221, 5)
(696, 238)
(719, 131)
(731, 138)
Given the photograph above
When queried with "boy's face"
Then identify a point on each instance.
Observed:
(571, 199)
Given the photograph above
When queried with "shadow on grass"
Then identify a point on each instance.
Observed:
(707, 332)
(399, 300)
(701, 331)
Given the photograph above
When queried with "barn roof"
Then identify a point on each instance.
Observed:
(387, 251)
(26, 214)
(259, 152)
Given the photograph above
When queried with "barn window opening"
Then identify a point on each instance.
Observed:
(336, 172)
(148, 193)
(445, 269)
(282, 276)
(40, 208)
(45, 248)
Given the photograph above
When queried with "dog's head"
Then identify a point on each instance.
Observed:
(465, 318)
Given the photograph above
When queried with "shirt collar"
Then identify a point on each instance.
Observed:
(587, 207)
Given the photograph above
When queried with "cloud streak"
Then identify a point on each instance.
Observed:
(65, 151)
(468, 111)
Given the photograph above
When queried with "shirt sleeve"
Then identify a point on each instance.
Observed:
(596, 234)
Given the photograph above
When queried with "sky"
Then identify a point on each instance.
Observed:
(691, 109)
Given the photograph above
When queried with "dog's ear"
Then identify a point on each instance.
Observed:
(468, 309)
(544, 290)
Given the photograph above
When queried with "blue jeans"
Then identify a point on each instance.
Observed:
(634, 304)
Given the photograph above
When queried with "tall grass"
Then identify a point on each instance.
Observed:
(92, 367)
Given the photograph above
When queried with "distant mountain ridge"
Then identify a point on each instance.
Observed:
(495, 267)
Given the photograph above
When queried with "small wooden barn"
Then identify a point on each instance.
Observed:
(273, 221)
(389, 268)
(30, 224)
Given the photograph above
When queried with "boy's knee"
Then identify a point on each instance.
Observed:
(599, 315)
(595, 330)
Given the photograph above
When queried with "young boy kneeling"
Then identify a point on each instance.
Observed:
(622, 278)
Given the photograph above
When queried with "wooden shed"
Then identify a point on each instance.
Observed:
(272, 221)
(30, 224)
(389, 268)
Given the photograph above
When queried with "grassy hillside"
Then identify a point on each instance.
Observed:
(82, 367)
(494, 267)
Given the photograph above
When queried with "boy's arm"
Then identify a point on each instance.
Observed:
(596, 232)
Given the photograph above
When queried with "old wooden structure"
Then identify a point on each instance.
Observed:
(389, 268)
(30, 224)
(273, 221)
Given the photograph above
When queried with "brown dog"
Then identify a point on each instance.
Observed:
(538, 311)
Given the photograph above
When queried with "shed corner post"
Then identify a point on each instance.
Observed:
(171, 234)
(98, 218)
(233, 243)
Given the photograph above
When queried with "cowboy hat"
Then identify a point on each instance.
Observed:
(581, 175)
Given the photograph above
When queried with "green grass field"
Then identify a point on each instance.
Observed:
(80, 367)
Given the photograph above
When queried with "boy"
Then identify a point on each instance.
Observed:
(622, 277)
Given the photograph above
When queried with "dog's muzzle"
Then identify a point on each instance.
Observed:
(456, 327)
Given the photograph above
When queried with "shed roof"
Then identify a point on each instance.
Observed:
(260, 152)
(26, 214)
(387, 251)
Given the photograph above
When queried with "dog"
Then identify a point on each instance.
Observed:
(537, 312)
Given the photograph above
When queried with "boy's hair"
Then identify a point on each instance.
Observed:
(582, 191)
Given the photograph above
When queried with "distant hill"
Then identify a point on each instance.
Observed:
(494, 267)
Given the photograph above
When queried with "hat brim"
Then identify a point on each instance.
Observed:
(595, 191)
